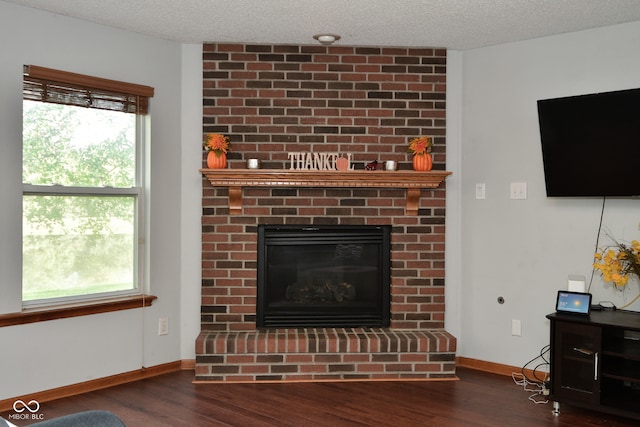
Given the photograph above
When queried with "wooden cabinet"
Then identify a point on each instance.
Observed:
(595, 361)
(576, 357)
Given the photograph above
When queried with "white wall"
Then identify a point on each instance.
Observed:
(453, 255)
(191, 202)
(524, 250)
(46, 355)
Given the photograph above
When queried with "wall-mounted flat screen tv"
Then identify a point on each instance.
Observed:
(591, 144)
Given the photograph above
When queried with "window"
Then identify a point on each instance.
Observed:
(83, 186)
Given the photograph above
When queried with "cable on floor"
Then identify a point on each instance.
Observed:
(538, 385)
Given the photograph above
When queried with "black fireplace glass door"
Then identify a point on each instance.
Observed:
(323, 276)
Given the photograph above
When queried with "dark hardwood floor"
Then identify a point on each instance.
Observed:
(477, 399)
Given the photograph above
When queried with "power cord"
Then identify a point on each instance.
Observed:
(538, 395)
(593, 270)
(538, 385)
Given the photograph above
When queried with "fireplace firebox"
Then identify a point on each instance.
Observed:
(323, 276)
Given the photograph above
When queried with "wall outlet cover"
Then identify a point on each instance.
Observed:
(163, 326)
(516, 328)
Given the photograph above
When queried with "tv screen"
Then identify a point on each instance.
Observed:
(591, 144)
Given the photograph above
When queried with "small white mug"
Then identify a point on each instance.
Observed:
(390, 165)
(253, 164)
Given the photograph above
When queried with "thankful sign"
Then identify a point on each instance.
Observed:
(319, 161)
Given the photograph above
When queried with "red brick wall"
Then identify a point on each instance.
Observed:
(271, 100)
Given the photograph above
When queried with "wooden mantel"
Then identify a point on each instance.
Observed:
(237, 179)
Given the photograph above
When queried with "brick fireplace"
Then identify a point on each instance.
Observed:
(271, 100)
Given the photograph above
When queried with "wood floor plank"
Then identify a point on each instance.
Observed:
(477, 399)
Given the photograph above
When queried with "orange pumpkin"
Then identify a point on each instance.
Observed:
(216, 160)
(422, 162)
(342, 163)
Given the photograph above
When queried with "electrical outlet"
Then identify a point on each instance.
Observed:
(516, 327)
(480, 191)
(163, 326)
(519, 190)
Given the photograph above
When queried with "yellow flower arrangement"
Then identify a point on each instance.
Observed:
(617, 262)
(217, 143)
(420, 145)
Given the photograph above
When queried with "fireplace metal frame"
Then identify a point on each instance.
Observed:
(331, 317)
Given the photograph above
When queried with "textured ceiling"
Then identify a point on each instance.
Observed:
(454, 24)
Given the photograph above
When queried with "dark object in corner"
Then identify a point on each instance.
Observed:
(372, 166)
(84, 419)
(600, 307)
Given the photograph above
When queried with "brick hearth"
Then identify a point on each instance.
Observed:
(325, 354)
(271, 100)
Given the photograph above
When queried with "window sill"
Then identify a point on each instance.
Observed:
(105, 306)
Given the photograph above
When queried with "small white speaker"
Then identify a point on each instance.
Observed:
(576, 283)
